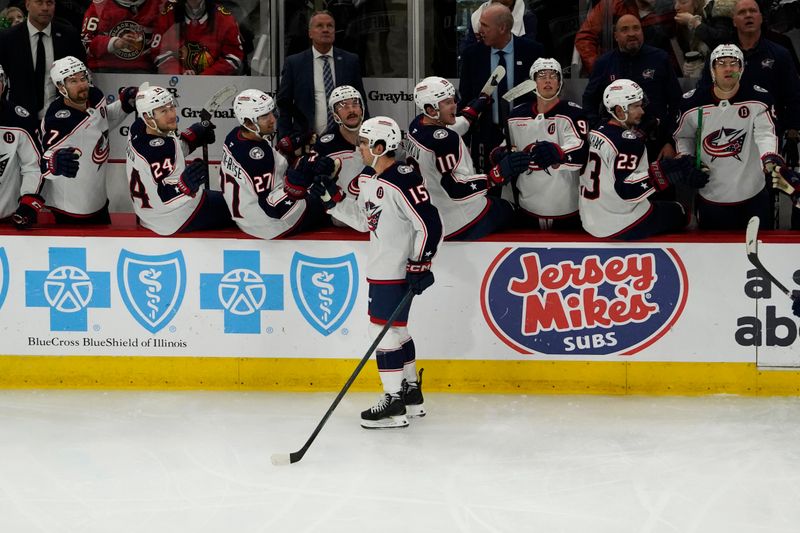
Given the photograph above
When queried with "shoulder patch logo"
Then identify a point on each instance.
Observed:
(768, 62)
(21, 111)
(759, 89)
(689, 94)
(256, 153)
(405, 169)
(573, 104)
(63, 113)
(328, 137)
(649, 74)
(155, 143)
(629, 134)
(440, 134)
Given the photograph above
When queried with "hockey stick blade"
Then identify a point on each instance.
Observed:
(280, 459)
(523, 88)
(496, 77)
(751, 242)
(216, 101)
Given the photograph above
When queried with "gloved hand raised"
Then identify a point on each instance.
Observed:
(677, 171)
(199, 134)
(509, 167)
(295, 144)
(326, 191)
(127, 96)
(194, 175)
(472, 111)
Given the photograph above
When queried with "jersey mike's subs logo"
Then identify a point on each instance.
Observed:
(579, 301)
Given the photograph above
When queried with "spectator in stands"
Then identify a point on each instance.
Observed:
(307, 80)
(657, 18)
(11, 16)
(715, 27)
(47, 41)
(525, 22)
(197, 37)
(650, 68)
(690, 50)
(117, 35)
(499, 46)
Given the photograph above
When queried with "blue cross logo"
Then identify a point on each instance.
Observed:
(68, 289)
(241, 292)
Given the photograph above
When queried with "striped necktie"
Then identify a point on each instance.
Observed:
(327, 78)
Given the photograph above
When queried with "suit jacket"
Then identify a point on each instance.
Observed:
(475, 64)
(295, 98)
(17, 59)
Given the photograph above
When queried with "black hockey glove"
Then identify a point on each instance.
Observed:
(677, 171)
(127, 96)
(199, 135)
(62, 162)
(324, 166)
(796, 303)
(296, 144)
(296, 184)
(497, 154)
(194, 175)
(27, 211)
(546, 154)
(419, 276)
(326, 191)
(783, 178)
(509, 168)
(472, 111)
(790, 151)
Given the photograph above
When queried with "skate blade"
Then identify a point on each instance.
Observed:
(415, 411)
(391, 422)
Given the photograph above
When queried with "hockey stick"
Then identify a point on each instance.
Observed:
(525, 87)
(289, 458)
(207, 113)
(699, 139)
(751, 240)
(494, 80)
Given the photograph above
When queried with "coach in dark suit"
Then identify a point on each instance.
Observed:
(308, 77)
(24, 45)
(499, 47)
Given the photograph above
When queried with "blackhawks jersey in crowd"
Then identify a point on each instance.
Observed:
(404, 225)
(615, 183)
(735, 135)
(87, 131)
(208, 45)
(332, 144)
(551, 192)
(106, 19)
(251, 177)
(19, 157)
(154, 165)
(457, 191)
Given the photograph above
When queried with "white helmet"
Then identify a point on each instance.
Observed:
(3, 81)
(381, 129)
(341, 93)
(622, 93)
(152, 97)
(726, 50)
(546, 63)
(251, 104)
(431, 91)
(64, 68)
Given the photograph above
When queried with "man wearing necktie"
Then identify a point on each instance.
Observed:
(498, 47)
(307, 80)
(27, 50)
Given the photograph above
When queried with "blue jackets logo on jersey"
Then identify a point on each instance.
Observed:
(68, 289)
(580, 301)
(3, 276)
(152, 286)
(324, 289)
(725, 142)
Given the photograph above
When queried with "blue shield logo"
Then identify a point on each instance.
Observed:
(3, 276)
(152, 286)
(324, 289)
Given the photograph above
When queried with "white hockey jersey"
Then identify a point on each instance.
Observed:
(404, 225)
(251, 176)
(440, 155)
(735, 135)
(19, 157)
(615, 183)
(67, 127)
(335, 146)
(154, 165)
(552, 192)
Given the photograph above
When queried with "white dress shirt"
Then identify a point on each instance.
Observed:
(320, 101)
(49, 88)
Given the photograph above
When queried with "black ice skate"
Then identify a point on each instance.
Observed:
(411, 393)
(388, 413)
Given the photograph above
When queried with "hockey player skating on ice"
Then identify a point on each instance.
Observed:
(405, 229)
(20, 177)
(554, 131)
(339, 143)
(737, 142)
(169, 195)
(618, 179)
(435, 147)
(252, 174)
(74, 134)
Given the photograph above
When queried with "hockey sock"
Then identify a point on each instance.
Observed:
(409, 361)
(390, 368)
